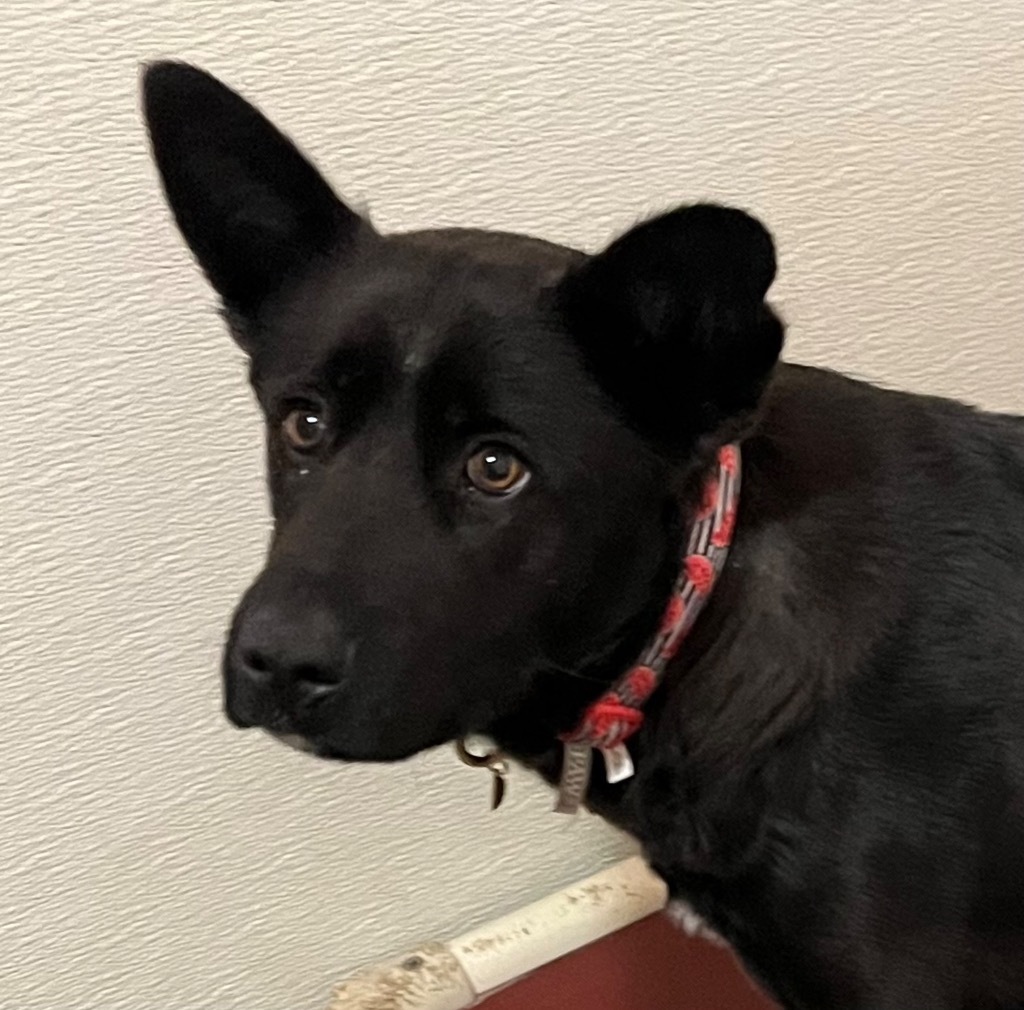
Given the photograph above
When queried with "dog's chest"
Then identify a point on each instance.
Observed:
(691, 923)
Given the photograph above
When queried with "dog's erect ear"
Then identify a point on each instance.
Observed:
(672, 319)
(251, 207)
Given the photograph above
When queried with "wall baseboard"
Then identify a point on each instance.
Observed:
(548, 950)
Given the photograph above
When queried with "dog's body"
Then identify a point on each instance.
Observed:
(485, 452)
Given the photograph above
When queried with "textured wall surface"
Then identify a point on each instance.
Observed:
(152, 857)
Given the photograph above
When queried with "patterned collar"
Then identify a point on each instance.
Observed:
(611, 720)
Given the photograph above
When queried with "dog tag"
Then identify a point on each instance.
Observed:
(499, 769)
(494, 762)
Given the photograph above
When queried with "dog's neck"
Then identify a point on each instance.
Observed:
(625, 703)
(609, 722)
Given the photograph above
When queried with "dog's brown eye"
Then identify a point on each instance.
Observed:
(496, 470)
(304, 429)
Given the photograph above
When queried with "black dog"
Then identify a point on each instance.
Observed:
(485, 454)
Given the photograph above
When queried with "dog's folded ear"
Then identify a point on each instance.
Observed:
(251, 207)
(672, 319)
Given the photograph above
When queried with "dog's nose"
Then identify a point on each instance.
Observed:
(296, 657)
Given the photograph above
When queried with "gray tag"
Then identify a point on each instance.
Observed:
(572, 787)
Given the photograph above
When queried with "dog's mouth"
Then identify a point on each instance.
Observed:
(307, 745)
(322, 749)
(298, 742)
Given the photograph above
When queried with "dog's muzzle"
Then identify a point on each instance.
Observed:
(286, 666)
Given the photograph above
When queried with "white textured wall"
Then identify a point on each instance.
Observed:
(152, 857)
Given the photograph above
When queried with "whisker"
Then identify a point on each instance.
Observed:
(576, 675)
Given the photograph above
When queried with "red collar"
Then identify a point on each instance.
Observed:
(611, 720)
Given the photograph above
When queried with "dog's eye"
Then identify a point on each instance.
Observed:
(304, 428)
(496, 470)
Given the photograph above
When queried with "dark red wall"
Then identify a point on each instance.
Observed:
(651, 965)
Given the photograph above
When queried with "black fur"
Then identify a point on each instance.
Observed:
(833, 771)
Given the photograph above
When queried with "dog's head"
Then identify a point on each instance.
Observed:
(478, 443)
